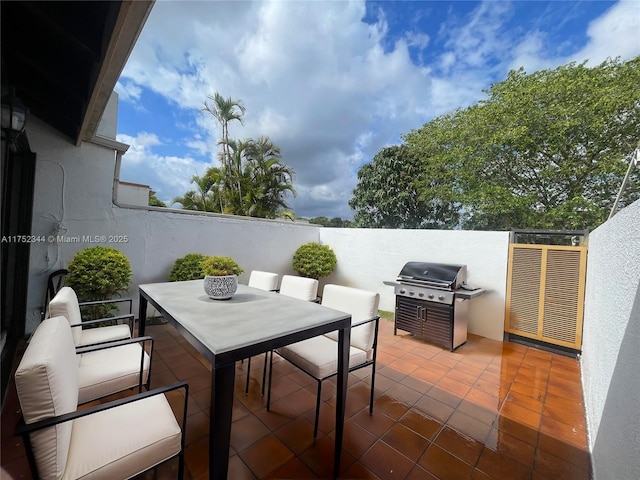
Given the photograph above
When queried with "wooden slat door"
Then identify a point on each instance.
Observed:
(545, 293)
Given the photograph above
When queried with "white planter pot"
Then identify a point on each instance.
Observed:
(222, 287)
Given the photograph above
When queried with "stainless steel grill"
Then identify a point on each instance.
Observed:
(432, 302)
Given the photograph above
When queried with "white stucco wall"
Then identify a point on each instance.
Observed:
(73, 199)
(130, 194)
(367, 257)
(611, 346)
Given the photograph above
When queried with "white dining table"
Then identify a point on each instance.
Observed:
(251, 322)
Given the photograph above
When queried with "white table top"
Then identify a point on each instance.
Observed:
(250, 317)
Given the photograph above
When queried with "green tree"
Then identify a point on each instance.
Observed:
(225, 110)
(155, 201)
(324, 221)
(389, 194)
(544, 151)
(270, 181)
(202, 197)
(255, 183)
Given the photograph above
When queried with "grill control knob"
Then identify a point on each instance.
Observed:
(440, 297)
(430, 295)
(421, 294)
(403, 291)
(411, 292)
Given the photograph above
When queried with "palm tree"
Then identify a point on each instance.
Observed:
(270, 179)
(200, 198)
(225, 110)
(236, 173)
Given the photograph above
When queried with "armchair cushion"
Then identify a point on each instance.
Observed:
(103, 372)
(318, 356)
(65, 303)
(299, 287)
(362, 305)
(140, 434)
(47, 385)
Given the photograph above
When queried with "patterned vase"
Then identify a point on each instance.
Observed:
(222, 287)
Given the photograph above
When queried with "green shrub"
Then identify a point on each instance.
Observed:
(99, 273)
(314, 260)
(217, 265)
(188, 267)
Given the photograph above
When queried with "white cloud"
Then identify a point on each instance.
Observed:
(168, 176)
(319, 81)
(128, 91)
(312, 75)
(616, 33)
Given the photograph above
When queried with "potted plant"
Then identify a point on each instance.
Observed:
(314, 260)
(221, 276)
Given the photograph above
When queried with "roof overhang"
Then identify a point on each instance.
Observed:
(64, 58)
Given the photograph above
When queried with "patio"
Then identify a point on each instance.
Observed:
(488, 410)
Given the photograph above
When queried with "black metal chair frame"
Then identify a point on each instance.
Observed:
(371, 362)
(24, 430)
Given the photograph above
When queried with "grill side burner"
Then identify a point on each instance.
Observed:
(432, 302)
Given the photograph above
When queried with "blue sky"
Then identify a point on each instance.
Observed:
(333, 82)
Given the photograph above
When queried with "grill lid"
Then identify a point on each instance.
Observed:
(437, 274)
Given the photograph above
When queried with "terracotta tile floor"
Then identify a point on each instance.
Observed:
(489, 410)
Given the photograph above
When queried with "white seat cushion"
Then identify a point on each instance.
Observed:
(47, 386)
(108, 333)
(361, 304)
(65, 303)
(110, 370)
(263, 280)
(122, 442)
(319, 355)
(299, 287)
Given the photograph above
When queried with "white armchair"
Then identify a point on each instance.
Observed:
(108, 360)
(119, 439)
(318, 356)
(65, 303)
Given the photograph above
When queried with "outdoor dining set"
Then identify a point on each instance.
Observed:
(70, 363)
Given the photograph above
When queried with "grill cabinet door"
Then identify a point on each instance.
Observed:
(409, 314)
(430, 321)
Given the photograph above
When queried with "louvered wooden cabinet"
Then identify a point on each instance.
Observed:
(545, 293)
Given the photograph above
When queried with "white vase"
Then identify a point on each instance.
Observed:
(220, 287)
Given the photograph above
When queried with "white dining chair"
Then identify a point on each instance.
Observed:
(263, 280)
(119, 439)
(318, 356)
(267, 281)
(302, 288)
(299, 287)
